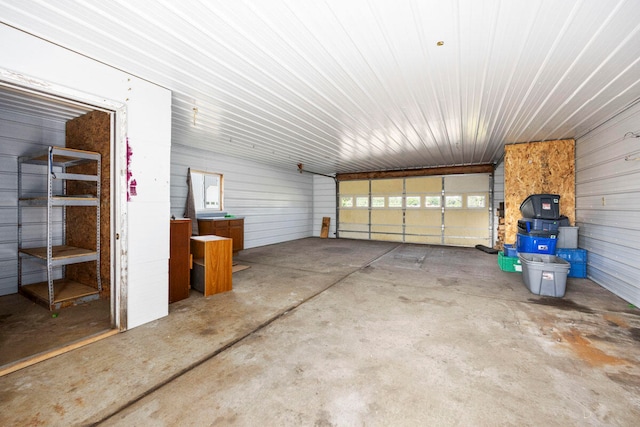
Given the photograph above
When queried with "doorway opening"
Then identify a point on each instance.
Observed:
(57, 287)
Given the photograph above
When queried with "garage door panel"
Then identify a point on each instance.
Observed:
(387, 224)
(352, 235)
(387, 186)
(466, 183)
(354, 216)
(466, 218)
(427, 240)
(466, 241)
(465, 231)
(363, 228)
(432, 217)
(387, 237)
(381, 228)
(354, 187)
(386, 217)
(426, 230)
(424, 185)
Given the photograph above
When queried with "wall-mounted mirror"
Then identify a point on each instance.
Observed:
(207, 190)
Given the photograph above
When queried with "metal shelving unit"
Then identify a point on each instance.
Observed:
(56, 293)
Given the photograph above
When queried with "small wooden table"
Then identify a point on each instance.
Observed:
(212, 264)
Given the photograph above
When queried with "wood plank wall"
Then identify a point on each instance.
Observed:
(91, 132)
(537, 168)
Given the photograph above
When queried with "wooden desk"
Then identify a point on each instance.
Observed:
(212, 264)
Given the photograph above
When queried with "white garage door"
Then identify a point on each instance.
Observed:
(450, 210)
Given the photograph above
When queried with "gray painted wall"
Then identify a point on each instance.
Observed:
(608, 204)
(277, 204)
(21, 134)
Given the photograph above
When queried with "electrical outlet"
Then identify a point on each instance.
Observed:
(603, 203)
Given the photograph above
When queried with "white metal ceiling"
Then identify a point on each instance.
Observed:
(359, 85)
(22, 102)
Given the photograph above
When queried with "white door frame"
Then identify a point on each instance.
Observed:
(119, 222)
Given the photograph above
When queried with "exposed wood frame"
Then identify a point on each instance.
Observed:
(445, 170)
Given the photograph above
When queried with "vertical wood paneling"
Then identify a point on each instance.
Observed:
(324, 204)
(608, 203)
(277, 204)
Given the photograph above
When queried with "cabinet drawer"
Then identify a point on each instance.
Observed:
(221, 223)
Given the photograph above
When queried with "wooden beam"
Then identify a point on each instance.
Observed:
(445, 170)
(23, 363)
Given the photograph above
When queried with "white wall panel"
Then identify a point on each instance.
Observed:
(324, 204)
(608, 203)
(277, 204)
(148, 127)
(154, 298)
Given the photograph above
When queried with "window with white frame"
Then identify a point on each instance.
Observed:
(476, 201)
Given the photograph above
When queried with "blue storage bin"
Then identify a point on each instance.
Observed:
(510, 250)
(536, 244)
(577, 258)
(527, 225)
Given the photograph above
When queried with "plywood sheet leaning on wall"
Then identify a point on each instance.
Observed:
(538, 168)
(91, 132)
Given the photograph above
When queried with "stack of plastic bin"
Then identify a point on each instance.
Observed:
(543, 273)
(538, 229)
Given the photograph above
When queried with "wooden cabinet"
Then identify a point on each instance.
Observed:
(231, 228)
(212, 264)
(179, 259)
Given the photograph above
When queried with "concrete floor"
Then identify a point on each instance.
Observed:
(339, 332)
(28, 329)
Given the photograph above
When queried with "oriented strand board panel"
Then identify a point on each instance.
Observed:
(91, 132)
(538, 168)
